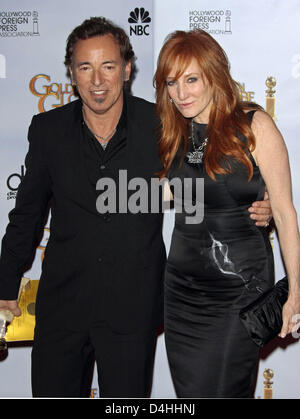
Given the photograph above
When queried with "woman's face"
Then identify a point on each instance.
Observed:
(191, 92)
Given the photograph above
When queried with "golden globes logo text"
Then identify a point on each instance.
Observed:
(47, 92)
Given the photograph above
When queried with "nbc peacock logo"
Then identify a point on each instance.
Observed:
(140, 18)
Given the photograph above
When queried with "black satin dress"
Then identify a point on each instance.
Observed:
(214, 269)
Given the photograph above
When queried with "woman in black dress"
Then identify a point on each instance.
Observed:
(218, 266)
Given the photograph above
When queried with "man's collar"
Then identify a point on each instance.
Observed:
(123, 118)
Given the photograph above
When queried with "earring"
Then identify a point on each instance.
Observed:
(171, 100)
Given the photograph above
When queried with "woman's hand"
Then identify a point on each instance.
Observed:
(290, 315)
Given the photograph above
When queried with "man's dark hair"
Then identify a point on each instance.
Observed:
(99, 26)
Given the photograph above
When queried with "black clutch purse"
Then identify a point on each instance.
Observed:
(263, 317)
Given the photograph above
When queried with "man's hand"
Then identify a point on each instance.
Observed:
(261, 211)
(12, 306)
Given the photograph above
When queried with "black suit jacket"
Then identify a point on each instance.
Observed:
(96, 267)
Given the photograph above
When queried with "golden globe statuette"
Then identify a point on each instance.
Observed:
(14, 329)
(6, 317)
(268, 389)
(270, 98)
(21, 329)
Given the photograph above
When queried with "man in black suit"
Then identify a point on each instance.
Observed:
(101, 289)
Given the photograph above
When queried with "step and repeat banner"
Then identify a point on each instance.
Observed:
(261, 39)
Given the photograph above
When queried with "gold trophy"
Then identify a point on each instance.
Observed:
(270, 98)
(14, 329)
(21, 329)
(6, 317)
(268, 389)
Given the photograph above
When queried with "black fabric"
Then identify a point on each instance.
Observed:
(214, 269)
(263, 317)
(93, 150)
(63, 362)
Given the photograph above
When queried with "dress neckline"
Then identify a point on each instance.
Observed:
(199, 123)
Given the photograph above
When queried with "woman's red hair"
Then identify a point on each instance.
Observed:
(227, 115)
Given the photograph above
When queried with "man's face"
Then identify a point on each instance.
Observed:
(98, 71)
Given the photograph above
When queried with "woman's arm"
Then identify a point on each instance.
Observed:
(272, 158)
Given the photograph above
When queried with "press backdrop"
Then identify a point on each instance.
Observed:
(261, 39)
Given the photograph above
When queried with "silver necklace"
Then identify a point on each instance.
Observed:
(104, 139)
(196, 156)
(103, 145)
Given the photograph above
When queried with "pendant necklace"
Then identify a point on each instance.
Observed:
(196, 156)
(105, 140)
